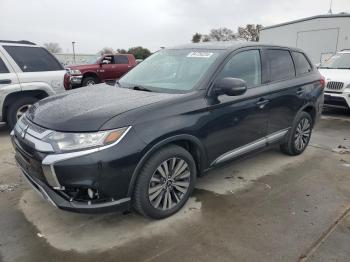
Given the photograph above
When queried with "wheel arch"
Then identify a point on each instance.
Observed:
(311, 110)
(188, 142)
(10, 98)
(91, 74)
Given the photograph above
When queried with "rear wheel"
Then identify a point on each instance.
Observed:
(89, 81)
(165, 183)
(18, 108)
(299, 135)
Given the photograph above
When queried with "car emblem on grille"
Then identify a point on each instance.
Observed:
(24, 131)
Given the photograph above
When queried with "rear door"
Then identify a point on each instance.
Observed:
(286, 94)
(122, 65)
(36, 68)
(237, 123)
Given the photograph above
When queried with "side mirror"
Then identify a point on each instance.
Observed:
(230, 86)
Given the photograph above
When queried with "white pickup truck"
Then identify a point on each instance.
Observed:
(336, 71)
(28, 73)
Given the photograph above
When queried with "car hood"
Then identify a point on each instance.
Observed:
(87, 109)
(338, 75)
(83, 67)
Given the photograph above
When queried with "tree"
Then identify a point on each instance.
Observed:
(53, 47)
(222, 34)
(106, 51)
(121, 51)
(250, 32)
(205, 38)
(196, 38)
(139, 52)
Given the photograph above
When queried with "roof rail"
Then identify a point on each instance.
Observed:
(26, 42)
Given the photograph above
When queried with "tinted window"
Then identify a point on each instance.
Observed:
(33, 59)
(281, 64)
(121, 59)
(245, 65)
(302, 66)
(3, 68)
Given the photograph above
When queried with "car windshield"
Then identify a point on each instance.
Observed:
(339, 61)
(172, 71)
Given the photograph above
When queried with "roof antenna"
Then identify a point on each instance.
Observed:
(330, 8)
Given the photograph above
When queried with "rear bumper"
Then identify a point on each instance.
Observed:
(338, 100)
(57, 200)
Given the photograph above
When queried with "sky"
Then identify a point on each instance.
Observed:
(94, 24)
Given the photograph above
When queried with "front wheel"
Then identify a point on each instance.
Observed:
(89, 81)
(18, 108)
(299, 135)
(165, 183)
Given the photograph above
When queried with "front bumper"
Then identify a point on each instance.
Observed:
(58, 201)
(337, 100)
(65, 179)
(76, 80)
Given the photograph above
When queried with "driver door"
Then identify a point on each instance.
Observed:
(237, 123)
(108, 70)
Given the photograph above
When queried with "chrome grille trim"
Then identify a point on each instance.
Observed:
(332, 85)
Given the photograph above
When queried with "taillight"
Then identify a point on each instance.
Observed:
(322, 82)
(66, 81)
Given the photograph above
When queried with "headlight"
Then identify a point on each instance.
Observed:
(78, 141)
(74, 72)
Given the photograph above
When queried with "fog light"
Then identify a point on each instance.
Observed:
(91, 193)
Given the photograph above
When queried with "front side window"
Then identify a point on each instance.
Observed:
(171, 70)
(339, 61)
(121, 59)
(33, 59)
(245, 65)
(281, 64)
(3, 68)
(302, 65)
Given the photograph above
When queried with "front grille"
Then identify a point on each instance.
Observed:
(335, 85)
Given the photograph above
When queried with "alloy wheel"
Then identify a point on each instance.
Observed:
(22, 110)
(90, 83)
(302, 134)
(169, 183)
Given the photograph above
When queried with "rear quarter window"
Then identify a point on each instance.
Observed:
(33, 59)
(281, 64)
(121, 59)
(3, 68)
(302, 65)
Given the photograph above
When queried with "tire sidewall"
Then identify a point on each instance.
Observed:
(291, 138)
(12, 111)
(147, 171)
(89, 78)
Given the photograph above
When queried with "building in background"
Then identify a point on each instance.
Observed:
(67, 59)
(319, 36)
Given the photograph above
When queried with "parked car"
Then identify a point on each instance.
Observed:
(176, 115)
(336, 71)
(28, 73)
(107, 68)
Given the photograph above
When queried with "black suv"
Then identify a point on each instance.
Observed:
(184, 110)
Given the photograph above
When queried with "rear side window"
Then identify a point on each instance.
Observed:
(121, 59)
(302, 65)
(3, 68)
(245, 65)
(281, 64)
(33, 59)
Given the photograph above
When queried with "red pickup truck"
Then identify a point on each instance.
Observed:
(107, 68)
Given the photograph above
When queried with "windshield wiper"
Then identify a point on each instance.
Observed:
(141, 88)
(343, 67)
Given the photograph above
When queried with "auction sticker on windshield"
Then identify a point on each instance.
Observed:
(200, 54)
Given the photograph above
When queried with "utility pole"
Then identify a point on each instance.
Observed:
(73, 43)
(330, 8)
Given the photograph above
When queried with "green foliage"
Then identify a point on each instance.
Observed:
(139, 52)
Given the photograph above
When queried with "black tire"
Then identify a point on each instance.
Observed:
(19, 103)
(89, 79)
(141, 200)
(290, 145)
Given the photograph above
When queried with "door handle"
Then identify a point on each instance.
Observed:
(300, 91)
(262, 103)
(5, 81)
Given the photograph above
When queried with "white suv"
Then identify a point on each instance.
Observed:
(28, 73)
(336, 71)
